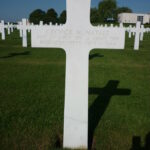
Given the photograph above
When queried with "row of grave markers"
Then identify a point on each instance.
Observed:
(8, 26)
(23, 26)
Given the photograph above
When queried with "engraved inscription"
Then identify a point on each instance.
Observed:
(61, 37)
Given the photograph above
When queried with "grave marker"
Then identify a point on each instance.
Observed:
(23, 27)
(41, 23)
(8, 28)
(2, 28)
(111, 25)
(142, 33)
(137, 36)
(77, 37)
(121, 25)
(20, 30)
(11, 27)
(130, 33)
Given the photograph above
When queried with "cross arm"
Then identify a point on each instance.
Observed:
(64, 37)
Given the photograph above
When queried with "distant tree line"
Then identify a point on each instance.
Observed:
(107, 11)
(50, 16)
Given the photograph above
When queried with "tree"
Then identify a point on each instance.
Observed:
(107, 9)
(94, 15)
(62, 18)
(123, 10)
(51, 16)
(37, 16)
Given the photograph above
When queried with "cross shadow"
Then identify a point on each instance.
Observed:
(15, 54)
(92, 56)
(136, 143)
(100, 104)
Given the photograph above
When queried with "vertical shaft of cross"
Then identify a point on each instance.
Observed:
(12, 29)
(8, 28)
(20, 30)
(77, 16)
(24, 37)
(3, 30)
(142, 33)
(130, 31)
(76, 99)
(41, 23)
(137, 36)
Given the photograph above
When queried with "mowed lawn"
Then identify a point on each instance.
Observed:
(32, 84)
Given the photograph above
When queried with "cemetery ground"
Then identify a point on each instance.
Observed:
(32, 86)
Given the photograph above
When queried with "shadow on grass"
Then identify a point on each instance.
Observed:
(100, 104)
(136, 143)
(16, 54)
(92, 56)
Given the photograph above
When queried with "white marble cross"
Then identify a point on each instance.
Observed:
(129, 30)
(41, 23)
(142, 33)
(77, 37)
(11, 27)
(2, 29)
(147, 30)
(18, 27)
(121, 25)
(23, 31)
(8, 28)
(138, 31)
(137, 36)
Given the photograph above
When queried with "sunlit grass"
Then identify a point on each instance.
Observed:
(32, 83)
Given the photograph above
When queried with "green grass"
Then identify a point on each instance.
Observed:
(32, 83)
